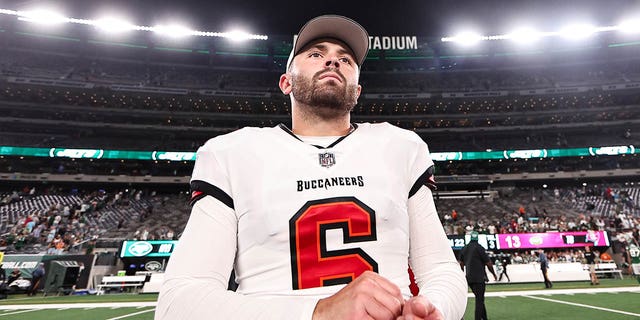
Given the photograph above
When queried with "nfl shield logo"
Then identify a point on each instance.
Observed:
(327, 159)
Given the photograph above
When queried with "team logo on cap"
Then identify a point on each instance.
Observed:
(327, 159)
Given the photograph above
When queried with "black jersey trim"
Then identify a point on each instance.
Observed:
(287, 130)
(426, 179)
(201, 189)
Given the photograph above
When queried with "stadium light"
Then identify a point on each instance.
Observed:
(173, 31)
(51, 17)
(8, 12)
(237, 35)
(466, 38)
(572, 32)
(42, 16)
(524, 35)
(578, 31)
(630, 26)
(113, 25)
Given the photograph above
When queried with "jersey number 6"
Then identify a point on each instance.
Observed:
(312, 264)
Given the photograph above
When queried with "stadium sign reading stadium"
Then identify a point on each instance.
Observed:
(389, 42)
(393, 43)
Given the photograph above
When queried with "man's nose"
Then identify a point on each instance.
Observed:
(332, 62)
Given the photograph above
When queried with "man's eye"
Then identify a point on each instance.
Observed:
(315, 54)
(345, 60)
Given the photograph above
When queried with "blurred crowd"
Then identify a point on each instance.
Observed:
(90, 118)
(459, 110)
(256, 74)
(74, 226)
(36, 222)
(612, 208)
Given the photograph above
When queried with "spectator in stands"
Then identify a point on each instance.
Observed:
(245, 224)
(91, 245)
(544, 267)
(590, 256)
(170, 235)
(474, 258)
(517, 258)
(57, 244)
(14, 275)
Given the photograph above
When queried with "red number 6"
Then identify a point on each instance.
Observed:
(312, 265)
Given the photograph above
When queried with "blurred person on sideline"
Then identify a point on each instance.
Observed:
(473, 260)
(590, 256)
(317, 221)
(544, 267)
(36, 276)
(504, 262)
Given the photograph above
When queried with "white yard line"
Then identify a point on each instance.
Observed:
(23, 311)
(584, 306)
(549, 292)
(132, 314)
(79, 305)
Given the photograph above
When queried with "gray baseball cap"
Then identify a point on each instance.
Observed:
(336, 27)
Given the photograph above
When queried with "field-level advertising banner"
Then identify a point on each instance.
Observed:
(27, 263)
(570, 239)
(515, 241)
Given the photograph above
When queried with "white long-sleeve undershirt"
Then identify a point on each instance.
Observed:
(437, 273)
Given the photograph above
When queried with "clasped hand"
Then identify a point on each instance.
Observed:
(372, 297)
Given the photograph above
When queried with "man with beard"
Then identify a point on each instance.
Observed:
(316, 221)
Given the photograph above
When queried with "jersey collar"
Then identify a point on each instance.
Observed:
(354, 126)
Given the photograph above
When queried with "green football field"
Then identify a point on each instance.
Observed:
(613, 299)
(562, 307)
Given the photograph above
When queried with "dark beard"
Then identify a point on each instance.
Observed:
(326, 101)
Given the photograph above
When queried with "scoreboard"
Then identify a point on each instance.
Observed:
(488, 241)
(514, 241)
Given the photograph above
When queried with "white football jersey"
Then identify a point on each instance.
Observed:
(310, 217)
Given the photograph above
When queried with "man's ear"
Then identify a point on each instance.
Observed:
(285, 83)
(358, 91)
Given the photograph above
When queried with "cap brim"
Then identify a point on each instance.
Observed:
(336, 27)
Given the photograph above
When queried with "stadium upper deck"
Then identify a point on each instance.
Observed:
(73, 88)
